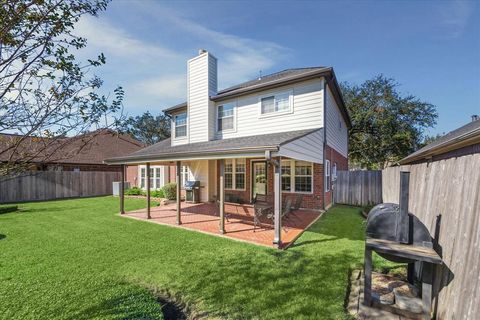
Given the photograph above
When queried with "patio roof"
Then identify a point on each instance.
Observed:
(164, 151)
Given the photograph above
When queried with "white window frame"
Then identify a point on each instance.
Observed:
(234, 129)
(334, 171)
(234, 174)
(155, 178)
(292, 177)
(327, 175)
(174, 125)
(276, 113)
(185, 175)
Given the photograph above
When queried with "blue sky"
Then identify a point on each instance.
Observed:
(432, 48)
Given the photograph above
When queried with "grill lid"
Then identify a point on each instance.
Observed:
(192, 184)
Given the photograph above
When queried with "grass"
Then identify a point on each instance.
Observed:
(77, 259)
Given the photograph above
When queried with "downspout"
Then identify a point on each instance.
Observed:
(324, 138)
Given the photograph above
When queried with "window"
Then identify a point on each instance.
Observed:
(142, 178)
(184, 174)
(297, 176)
(228, 173)
(155, 177)
(225, 117)
(240, 169)
(181, 125)
(303, 176)
(327, 175)
(286, 176)
(234, 173)
(275, 103)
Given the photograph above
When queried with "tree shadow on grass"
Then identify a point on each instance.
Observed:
(2, 236)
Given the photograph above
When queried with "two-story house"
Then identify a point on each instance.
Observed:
(285, 131)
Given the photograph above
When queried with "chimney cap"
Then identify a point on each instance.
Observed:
(202, 51)
(475, 117)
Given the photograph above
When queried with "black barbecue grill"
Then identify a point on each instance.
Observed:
(385, 222)
(399, 236)
(192, 189)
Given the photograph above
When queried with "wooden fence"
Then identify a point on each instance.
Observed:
(358, 188)
(48, 185)
(450, 188)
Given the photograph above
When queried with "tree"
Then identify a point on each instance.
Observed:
(429, 139)
(45, 93)
(148, 128)
(386, 126)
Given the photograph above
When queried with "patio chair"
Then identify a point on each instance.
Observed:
(217, 213)
(260, 207)
(298, 202)
(286, 209)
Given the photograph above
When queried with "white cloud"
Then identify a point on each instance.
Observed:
(455, 15)
(153, 73)
(101, 34)
(163, 87)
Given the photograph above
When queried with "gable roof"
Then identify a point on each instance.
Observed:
(89, 148)
(257, 143)
(451, 141)
(277, 79)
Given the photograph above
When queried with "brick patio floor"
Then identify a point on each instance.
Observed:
(204, 217)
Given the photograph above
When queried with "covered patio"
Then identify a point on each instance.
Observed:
(239, 221)
(219, 166)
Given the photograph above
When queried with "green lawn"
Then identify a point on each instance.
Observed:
(77, 259)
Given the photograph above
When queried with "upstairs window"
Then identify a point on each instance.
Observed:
(181, 125)
(276, 103)
(225, 117)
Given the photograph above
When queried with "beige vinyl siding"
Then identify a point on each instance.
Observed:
(199, 171)
(337, 131)
(308, 148)
(201, 84)
(306, 111)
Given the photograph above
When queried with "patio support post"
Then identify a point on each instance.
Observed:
(148, 189)
(179, 181)
(277, 207)
(122, 189)
(222, 197)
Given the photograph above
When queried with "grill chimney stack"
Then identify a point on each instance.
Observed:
(475, 117)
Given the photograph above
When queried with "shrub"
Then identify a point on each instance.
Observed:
(170, 191)
(7, 209)
(135, 191)
(158, 193)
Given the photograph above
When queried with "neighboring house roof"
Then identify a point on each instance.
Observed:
(461, 137)
(164, 150)
(89, 148)
(275, 80)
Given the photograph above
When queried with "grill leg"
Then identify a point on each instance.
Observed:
(367, 290)
(427, 281)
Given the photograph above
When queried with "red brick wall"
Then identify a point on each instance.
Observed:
(342, 164)
(131, 175)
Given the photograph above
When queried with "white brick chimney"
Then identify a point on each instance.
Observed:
(201, 84)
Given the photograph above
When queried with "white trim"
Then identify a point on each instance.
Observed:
(327, 175)
(292, 177)
(234, 173)
(161, 176)
(174, 116)
(275, 113)
(234, 129)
